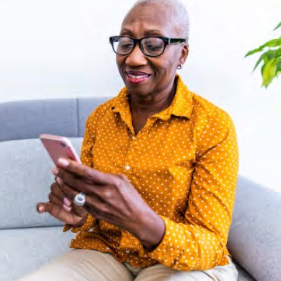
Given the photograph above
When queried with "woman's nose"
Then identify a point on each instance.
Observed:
(136, 58)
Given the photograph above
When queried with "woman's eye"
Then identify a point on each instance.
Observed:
(126, 46)
(153, 48)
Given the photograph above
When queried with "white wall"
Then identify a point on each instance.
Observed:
(59, 48)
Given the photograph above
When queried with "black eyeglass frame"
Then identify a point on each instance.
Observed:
(166, 40)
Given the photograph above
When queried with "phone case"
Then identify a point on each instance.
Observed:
(59, 147)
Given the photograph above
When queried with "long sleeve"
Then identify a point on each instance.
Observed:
(86, 159)
(88, 143)
(200, 242)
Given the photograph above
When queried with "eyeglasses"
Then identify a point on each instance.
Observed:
(150, 46)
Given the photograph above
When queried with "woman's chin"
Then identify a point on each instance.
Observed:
(137, 89)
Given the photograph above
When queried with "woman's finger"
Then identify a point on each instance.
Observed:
(54, 199)
(77, 184)
(68, 201)
(57, 191)
(63, 203)
(85, 172)
(55, 188)
(51, 208)
(60, 213)
(69, 192)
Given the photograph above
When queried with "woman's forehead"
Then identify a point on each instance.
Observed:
(151, 17)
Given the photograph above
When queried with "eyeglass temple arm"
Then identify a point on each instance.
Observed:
(176, 40)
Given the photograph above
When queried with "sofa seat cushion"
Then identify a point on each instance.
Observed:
(243, 275)
(25, 180)
(24, 250)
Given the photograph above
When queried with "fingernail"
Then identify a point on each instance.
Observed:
(63, 162)
(55, 171)
(66, 201)
(41, 209)
(59, 181)
(68, 209)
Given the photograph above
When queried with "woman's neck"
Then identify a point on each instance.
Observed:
(152, 104)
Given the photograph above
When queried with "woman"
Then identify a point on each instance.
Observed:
(154, 196)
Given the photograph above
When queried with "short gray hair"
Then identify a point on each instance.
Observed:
(180, 13)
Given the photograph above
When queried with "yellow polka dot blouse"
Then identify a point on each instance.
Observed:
(184, 164)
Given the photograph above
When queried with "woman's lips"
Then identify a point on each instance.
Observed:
(137, 77)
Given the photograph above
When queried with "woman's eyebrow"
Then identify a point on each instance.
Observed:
(126, 31)
(153, 32)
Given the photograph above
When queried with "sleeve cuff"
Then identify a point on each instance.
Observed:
(130, 242)
(171, 245)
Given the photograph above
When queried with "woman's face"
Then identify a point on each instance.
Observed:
(143, 75)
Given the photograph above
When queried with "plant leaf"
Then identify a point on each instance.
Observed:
(278, 68)
(272, 54)
(254, 51)
(262, 68)
(272, 43)
(269, 72)
(269, 44)
(261, 58)
(279, 24)
(267, 56)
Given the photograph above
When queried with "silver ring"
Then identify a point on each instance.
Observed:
(80, 199)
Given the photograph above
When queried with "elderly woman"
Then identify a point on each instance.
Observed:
(154, 196)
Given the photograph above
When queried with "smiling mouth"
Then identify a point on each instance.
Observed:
(137, 78)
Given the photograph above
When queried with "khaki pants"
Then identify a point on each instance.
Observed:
(89, 265)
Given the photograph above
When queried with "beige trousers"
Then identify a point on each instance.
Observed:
(89, 265)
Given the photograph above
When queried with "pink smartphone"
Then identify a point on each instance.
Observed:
(59, 147)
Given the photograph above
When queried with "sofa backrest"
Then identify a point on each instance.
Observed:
(24, 164)
(27, 119)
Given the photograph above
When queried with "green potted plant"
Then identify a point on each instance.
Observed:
(271, 58)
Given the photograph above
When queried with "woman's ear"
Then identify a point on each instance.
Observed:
(184, 53)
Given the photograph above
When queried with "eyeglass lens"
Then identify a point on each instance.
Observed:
(151, 46)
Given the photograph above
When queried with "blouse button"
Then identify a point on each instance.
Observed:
(127, 168)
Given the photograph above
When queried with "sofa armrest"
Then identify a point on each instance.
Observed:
(255, 234)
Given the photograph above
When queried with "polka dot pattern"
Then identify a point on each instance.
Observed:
(184, 164)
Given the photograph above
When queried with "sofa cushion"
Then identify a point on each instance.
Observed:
(24, 250)
(25, 180)
(254, 239)
(243, 275)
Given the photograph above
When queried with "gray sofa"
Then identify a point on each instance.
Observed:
(28, 239)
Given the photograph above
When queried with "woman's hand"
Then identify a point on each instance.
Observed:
(113, 199)
(60, 207)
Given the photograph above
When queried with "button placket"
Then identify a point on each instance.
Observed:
(128, 164)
